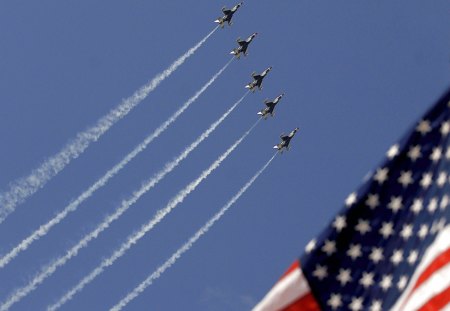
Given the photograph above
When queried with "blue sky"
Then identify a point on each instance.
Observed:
(356, 76)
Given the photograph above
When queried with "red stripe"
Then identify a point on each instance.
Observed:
(439, 262)
(305, 303)
(437, 302)
(295, 265)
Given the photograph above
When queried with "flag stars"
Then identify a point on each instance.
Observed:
(339, 223)
(402, 282)
(395, 204)
(373, 201)
(381, 175)
(335, 301)
(405, 178)
(432, 205)
(356, 304)
(376, 306)
(366, 280)
(329, 247)
(445, 128)
(417, 206)
(436, 154)
(351, 199)
(344, 276)
(423, 127)
(442, 179)
(320, 272)
(414, 153)
(426, 180)
(406, 232)
(386, 282)
(444, 202)
(376, 255)
(363, 227)
(387, 229)
(310, 246)
(397, 257)
(354, 251)
(393, 151)
(412, 258)
(423, 231)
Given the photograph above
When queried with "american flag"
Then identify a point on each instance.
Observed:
(389, 246)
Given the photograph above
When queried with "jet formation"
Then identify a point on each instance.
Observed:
(257, 78)
(227, 15)
(243, 46)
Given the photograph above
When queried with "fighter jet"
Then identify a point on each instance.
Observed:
(243, 45)
(270, 107)
(257, 80)
(227, 15)
(285, 140)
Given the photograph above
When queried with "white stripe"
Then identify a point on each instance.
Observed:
(447, 307)
(289, 289)
(437, 283)
(440, 244)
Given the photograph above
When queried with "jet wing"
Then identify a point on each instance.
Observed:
(268, 103)
(285, 137)
(256, 77)
(226, 11)
(241, 42)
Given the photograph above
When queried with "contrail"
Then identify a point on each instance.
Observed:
(126, 204)
(44, 229)
(24, 187)
(187, 246)
(134, 238)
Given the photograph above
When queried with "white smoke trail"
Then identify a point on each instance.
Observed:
(187, 246)
(24, 187)
(44, 229)
(51, 268)
(134, 238)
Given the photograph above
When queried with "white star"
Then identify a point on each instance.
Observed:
(426, 180)
(335, 301)
(373, 201)
(363, 227)
(412, 258)
(405, 179)
(329, 247)
(354, 251)
(445, 128)
(376, 255)
(320, 272)
(397, 257)
(444, 202)
(339, 223)
(432, 205)
(441, 180)
(381, 175)
(406, 232)
(387, 229)
(447, 153)
(386, 282)
(423, 231)
(423, 127)
(417, 206)
(310, 246)
(351, 199)
(441, 224)
(414, 153)
(436, 154)
(393, 151)
(434, 227)
(402, 282)
(376, 305)
(356, 304)
(344, 276)
(366, 280)
(395, 204)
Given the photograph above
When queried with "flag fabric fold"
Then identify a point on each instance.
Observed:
(388, 248)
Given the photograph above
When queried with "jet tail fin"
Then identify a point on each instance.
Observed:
(260, 113)
(276, 147)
